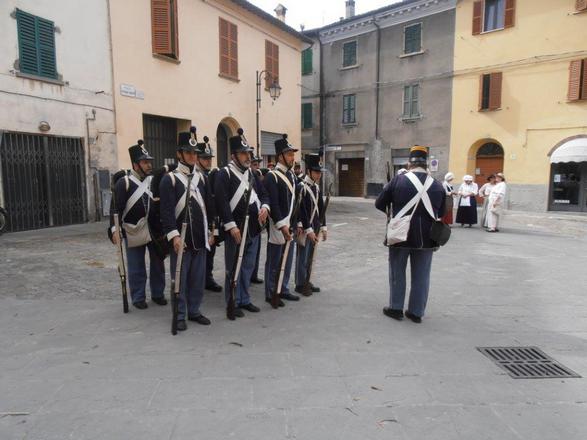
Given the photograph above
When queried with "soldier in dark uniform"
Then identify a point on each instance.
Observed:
(205, 155)
(232, 182)
(419, 246)
(199, 237)
(310, 226)
(298, 173)
(256, 168)
(133, 203)
(280, 185)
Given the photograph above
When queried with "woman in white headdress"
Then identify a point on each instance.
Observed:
(496, 203)
(450, 193)
(484, 192)
(467, 211)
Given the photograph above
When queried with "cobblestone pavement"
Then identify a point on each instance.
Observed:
(330, 367)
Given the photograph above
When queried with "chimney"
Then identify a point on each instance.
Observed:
(350, 8)
(280, 11)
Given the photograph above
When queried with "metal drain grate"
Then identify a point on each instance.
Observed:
(527, 363)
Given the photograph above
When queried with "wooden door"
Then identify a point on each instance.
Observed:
(485, 166)
(351, 177)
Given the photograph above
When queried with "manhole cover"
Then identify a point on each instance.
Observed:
(527, 363)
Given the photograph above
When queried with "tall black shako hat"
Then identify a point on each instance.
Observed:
(204, 150)
(187, 140)
(418, 155)
(313, 162)
(238, 143)
(256, 158)
(283, 146)
(138, 152)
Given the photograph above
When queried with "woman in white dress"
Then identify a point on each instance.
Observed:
(496, 203)
(484, 192)
(450, 193)
(467, 211)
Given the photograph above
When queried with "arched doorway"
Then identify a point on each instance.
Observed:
(222, 153)
(568, 174)
(488, 160)
(226, 129)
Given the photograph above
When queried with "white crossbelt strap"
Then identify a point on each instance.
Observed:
(195, 193)
(240, 191)
(314, 198)
(422, 192)
(142, 188)
(291, 189)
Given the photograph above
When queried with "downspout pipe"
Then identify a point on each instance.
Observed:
(377, 76)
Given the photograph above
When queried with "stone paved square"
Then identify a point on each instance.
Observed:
(329, 367)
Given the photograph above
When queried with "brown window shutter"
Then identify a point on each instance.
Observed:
(481, 92)
(161, 29)
(478, 17)
(175, 31)
(510, 13)
(575, 80)
(271, 63)
(224, 47)
(581, 5)
(495, 90)
(584, 81)
(233, 40)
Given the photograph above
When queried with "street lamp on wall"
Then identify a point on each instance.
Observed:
(274, 92)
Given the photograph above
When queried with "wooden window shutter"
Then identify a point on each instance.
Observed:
(581, 5)
(46, 45)
(161, 27)
(478, 17)
(481, 92)
(510, 13)
(233, 46)
(271, 63)
(584, 81)
(495, 83)
(575, 80)
(224, 46)
(27, 42)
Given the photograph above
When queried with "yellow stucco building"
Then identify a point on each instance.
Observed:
(178, 63)
(520, 99)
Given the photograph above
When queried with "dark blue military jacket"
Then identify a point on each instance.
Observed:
(307, 205)
(279, 194)
(398, 193)
(227, 184)
(199, 221)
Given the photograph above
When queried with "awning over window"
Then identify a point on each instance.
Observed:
(572, 151)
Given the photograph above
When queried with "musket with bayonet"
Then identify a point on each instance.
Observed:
(388, 208)
(307, 287)
(120, 249)
(176, 280)
(283, 259)
(236, 266)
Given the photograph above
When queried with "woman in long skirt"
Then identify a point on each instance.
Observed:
(496, 203)
(484, 192)
(467, 211)
(450, 193)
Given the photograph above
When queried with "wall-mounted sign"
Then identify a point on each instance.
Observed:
(562, 202)
(434, 165)
(131, 91)
(344, 167)
(334, 148)
(557, 178)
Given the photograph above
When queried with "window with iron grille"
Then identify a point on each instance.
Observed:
(348, 109)
(307, 67)
(413, 38)
(307, 115)
(36, 45)
(349, 54)
(411, 101)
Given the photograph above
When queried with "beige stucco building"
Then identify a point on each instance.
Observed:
(193, 62)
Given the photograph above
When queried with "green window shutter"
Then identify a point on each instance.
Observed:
(307, 58)
(46, 44)
(348, 109)
(349, 54)
(307, 115)
(27, 42)
(413, 38)
(36, 44)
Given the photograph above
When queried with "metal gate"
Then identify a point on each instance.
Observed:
(43, 180)
(160, 136)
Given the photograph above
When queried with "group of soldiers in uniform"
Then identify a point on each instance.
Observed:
(189, 209)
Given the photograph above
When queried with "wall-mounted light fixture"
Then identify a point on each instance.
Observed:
(44, 126)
